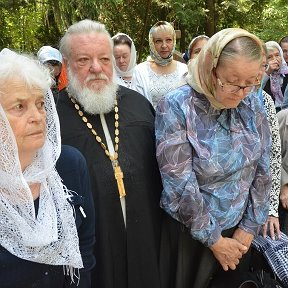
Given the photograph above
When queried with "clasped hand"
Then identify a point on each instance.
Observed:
(229, 251)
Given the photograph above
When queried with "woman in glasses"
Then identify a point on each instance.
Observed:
(213, 143)
(160, 73)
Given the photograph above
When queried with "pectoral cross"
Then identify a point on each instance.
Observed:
(119, 178)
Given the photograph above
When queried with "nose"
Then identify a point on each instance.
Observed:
(95, 66)
(36, 114)
(164, 44)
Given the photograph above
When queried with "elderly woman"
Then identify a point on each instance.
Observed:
(160, 73)
(39, 241)
(213, 143)
(276, 77)
(125, 58)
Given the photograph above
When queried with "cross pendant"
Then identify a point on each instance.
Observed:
(119, 177)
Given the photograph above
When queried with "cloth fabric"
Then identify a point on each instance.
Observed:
(48, 53)
(153, 52)
(200, 68)
(51, 237)
(276, 253)
(283, 129)
(275, 155)
(132, 62)
(125, 258)
(124, 82)
(214, 163)
(73, 170)
(154, 86)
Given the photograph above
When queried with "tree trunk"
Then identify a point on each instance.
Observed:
(210, 27)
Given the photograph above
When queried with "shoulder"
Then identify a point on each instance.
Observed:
(141, 66)
(178, 98)
(182, 67)
(283, 116)
(134, 106)
(70, 159)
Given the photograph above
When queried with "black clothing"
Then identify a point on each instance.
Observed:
(73, 170)
(125, 258)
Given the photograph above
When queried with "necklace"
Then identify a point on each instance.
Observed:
(114, 158)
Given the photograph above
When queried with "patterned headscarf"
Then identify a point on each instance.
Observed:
(200, 68)
(276, 77)
(165, 26)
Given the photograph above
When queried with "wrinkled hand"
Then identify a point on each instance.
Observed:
(243, 237)
(284, 196)
(273, 66)
(228, 252)
(272, 228)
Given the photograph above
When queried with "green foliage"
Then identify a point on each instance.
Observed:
(27, 25)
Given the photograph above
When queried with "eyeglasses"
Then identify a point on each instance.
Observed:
(232, 88)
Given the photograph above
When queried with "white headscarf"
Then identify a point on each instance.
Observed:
(51, 236)
(132, 63)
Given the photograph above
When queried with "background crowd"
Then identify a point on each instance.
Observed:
(164, 174)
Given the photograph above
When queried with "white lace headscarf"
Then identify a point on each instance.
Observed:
(132, 63)
(50, 237)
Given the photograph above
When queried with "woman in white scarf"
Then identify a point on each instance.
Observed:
(37, 223)
(125, 58)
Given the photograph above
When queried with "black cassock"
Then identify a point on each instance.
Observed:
(125, 258)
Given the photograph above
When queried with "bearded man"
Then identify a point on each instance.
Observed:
(113, 127)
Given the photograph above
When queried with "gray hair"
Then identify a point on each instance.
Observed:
(82, 27)
(242, 46)
(24, 67)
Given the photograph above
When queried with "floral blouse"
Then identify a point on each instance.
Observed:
(214, 163)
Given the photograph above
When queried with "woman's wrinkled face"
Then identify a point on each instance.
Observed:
(122, 54)
(24, 108)
(164, 43)
(195, 50)
(274, 59)
(238, 74)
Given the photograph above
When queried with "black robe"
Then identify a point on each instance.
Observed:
(124, 258)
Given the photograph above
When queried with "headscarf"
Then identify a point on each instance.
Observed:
(276, 77)
(195, 39)
(50, 237)
(153, 52)
(200, 68)
(132, 63)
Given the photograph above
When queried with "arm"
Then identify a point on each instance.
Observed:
(140, 80)
(282, 118)
(272, 224)
(181, 197)
(72, 168)
(257, 208)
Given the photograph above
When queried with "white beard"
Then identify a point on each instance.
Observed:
(93, 102)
